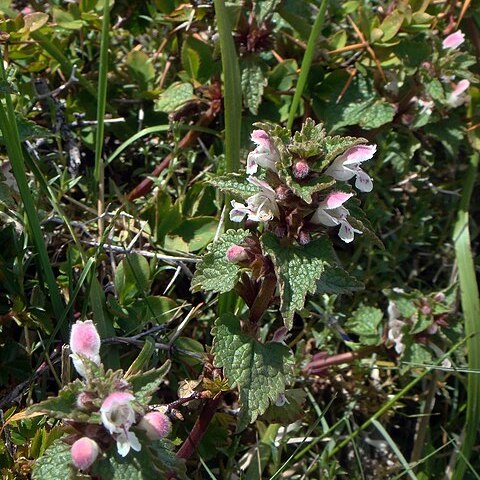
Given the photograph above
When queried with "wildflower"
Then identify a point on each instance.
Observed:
(331, 213)
(84, 341)
(347, 165)
(236, 254)
(84, 453)
(281, 400)
(117, 417)
(458, 97)
(156, 425)
(454, 40)
(395, 327)
(265, 154)
(261, 207)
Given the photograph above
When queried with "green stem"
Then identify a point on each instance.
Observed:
(471, 311)
(307, 62)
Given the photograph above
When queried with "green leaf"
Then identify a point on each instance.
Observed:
(306, 188)
(260, 371)
(64, 406)
(265, 8)
(391, 25)
(297, 268)
(365, 323)
(140, 67)
(434, 88)
(144, 385)
(234, 183)
(34, 21)
(66, 20)
(192, 234)
(292, 411)
(338, 281)
(56, 463)
(214, 272)
(253, 84)
(132, 276)
(174, 97)
(375, 114)
(190, 61)
(335, 146)
(309, 141)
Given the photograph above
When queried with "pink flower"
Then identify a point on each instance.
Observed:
(454, 40)
(261, 207)
(457, 97)
(118, 416)
(84, 452)
(84, 341)
(331, 213)
(156, 425)
(265, 154)
(347, 165)
(236, 254)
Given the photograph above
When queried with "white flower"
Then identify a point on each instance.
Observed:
(261, 207)
(454, 40)
(331, 213)
(458, 96)
(347, 165)
(117, 417)
(265, 154)
(395, 327)
(84, 340)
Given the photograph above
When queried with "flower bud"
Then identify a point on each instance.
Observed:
(156, 425)
(300, 169)
(84, 340)
(84, 452)
(304, 238)
(85, 401)
(236, 254)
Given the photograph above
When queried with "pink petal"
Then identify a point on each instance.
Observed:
(156, 425)
(84, 452)
(261, 138)
(116, 398)
(359, 154)
(454, 40)
(84, 339)
(462, 85)
(336, 199)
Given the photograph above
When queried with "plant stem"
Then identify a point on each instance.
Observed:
(199, 429)
(307, 62)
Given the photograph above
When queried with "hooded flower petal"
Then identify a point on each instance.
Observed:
(84, 340)
(454, 40)
(156, 425)
(84, 453)
(347, 165)
(458, 96)
(265, 154)
(117, 412)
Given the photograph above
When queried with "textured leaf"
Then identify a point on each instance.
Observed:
(376, 114)
(338, 281)
(335, 146)
(260, 371)
(434, 88)
(253, 84)
(297, 268)
(359, 220)
(145, 384)
(292, 411)
(265, 8)
(174, 97)
(214, 272)
(234, 183)
(64, 406)
(309, 141)
(306, 188)
(55, 464)
(365, 323)
(155, 460)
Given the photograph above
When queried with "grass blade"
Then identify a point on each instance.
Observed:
(99, 172)
(471, 312)
(8, 125)
(307, 62)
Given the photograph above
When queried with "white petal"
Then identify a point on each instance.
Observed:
(134, 442)
(252, 166)
(347, 232)
(238, 212)
(323, 218)
(123, 444)
(363, 182)
(338, 171)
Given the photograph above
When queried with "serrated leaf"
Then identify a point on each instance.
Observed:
(306, 188)
(56, 463)
(174, 97)
(154, 460)
(365, 323)
(63, 406)
(253, 84)
(292, 411)
(144, 385)
(434, 88)
(359, 220)
(297, 268)
(214, 272)
(338, 281)
(234, 183)
(335, 146)
(308, 142)
(28, 129)
(260, 371)
(375, 114)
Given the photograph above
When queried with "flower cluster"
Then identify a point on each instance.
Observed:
(119, 409)
(276, 203)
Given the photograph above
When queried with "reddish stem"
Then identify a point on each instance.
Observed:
(147, 183)
(199, 429)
